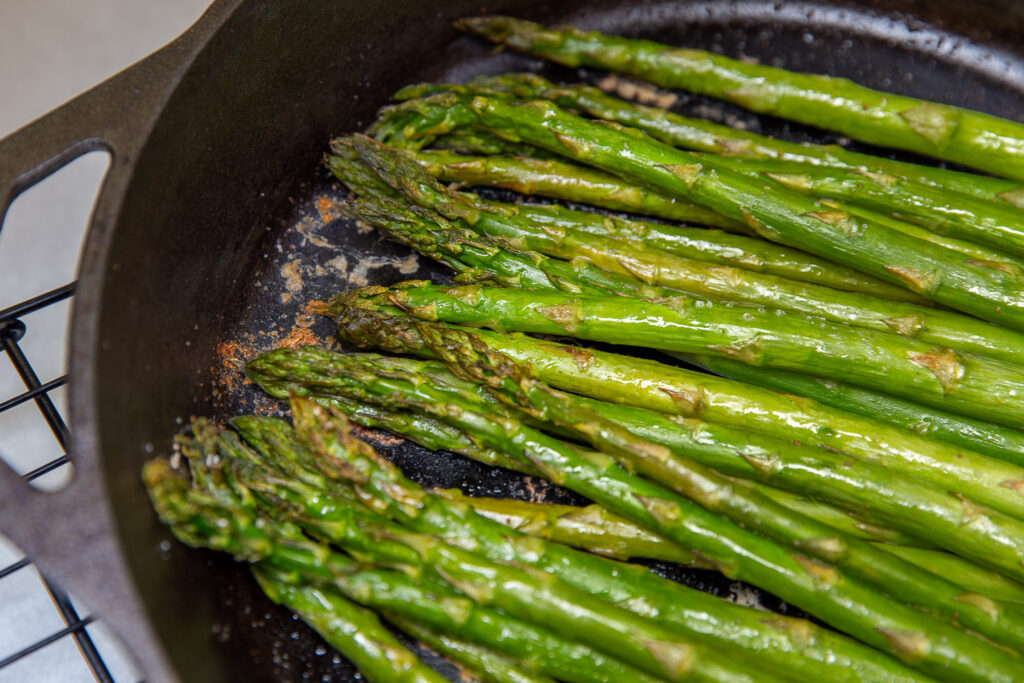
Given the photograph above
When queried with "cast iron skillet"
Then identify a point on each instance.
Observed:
(215, 201)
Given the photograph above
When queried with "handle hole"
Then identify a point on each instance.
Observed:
(40, 242)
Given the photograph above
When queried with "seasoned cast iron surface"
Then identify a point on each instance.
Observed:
(310, 253)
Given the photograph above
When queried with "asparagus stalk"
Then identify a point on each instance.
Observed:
(633, 587)
(353, 631)
(967, 137)
(311, 372)
(511, 173)
(782, 216)
(591, 528)
(746, 507)
(668, 389)
(701, 135)
(701, 244)
(977, 252)
(775, 339)
(697, 278)
(598, 531)
(532, 596)
(307, 372)
(552, 178)
(918, 639)
(484, 664)
(205, 521)
(938, 209)
(979, 436)
(478, 258)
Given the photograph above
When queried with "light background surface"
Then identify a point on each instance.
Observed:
(51, 50)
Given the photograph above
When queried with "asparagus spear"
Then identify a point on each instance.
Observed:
(701, 135)
(967, 137)
(941, 210)
(478, 258)
(596, 530)
(664, 388)
(512, 172)
(918, 639)
(633, 587)
(774, 339)
(533, 596)
(552, 178)
(208, 521)
(697, 243)
(484, 664)
(682, 469)
(697, 278)
(977, 252)
(353, 631)
(979, 436)
(782, 216)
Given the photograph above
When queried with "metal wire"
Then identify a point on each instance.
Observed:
(12, 329)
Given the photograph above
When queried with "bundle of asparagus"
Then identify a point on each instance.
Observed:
(860, 454)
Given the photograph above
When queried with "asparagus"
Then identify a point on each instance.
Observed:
(534, 596)
(481, 259)
(664, 388)
(967, 137)
(683, 469)
(484, 664)
(676, 606)
(596, 530)
(977, 252)
(782, 216)
(591, 528)
(928, 644)
(353, 631)
(949, 213)
(633, 587)
(770, 338)
(701, 135)
(206, 521)
(979, 436)
(697, 278)
(311, 372)
(702, 244)
(558, 180)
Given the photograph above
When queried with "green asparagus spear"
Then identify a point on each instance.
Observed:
(697, 278)
(928, 644)
(668, 389)
(701, 244)
(483, 664)
(967, 137)
(976, 252)
(353, 631)
(781, 215)
(774, 339)
(941, 210)
(478, 258)
(626, 585)
(206, 521)
(595, 529)
(310, 372)
(979, 436)
(533, 596)
(701, 135)
(551, 178)
(682, 469)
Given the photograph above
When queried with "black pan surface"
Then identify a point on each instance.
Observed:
(229, 231)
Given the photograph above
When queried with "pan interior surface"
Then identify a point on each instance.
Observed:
(228, 232)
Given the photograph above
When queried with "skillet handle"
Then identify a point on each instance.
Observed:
(72, 534)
